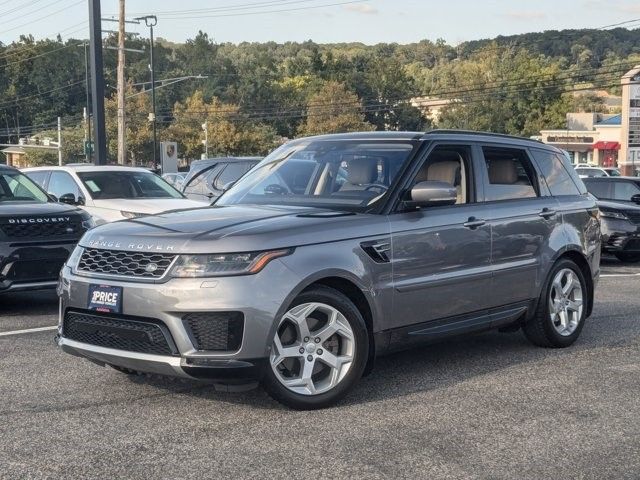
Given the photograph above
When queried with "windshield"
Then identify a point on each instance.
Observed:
(350, 175)
(16, 187)
(103, 185)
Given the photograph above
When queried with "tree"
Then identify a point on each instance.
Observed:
(334, 109)
(229, 132)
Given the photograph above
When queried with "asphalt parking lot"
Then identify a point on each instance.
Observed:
(489, 406)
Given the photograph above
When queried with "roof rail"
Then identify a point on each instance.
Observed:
(483, 134)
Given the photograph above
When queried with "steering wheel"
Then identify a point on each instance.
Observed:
(382, 188)
(275, 189)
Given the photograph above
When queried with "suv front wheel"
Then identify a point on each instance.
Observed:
(319, 350)
(562, 308)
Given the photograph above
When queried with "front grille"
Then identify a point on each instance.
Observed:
(35, 230)
(127, 264)
(633, 216)
(35, 270)
(220, 331)
(119, 333)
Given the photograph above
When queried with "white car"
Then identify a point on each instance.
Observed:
(110, 193)
(587, 172)
(175, 179)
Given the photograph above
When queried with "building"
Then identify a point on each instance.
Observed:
(431, 108)
(589, 138)
(16, 156)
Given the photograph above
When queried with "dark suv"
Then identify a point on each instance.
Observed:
(619, 202)
(209, 178)
(336, 249)
(36, 234)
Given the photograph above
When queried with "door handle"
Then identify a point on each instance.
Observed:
(474, 223)
(547, 213)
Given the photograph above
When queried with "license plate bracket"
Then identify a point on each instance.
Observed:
(105, 298)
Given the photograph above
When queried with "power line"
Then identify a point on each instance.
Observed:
(4, 30)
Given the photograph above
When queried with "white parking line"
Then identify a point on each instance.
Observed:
(28, 330)
(620, 275)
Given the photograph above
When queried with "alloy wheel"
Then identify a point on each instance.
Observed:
(313, 348)
(565, 302)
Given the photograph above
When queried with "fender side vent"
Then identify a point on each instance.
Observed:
(378, 250)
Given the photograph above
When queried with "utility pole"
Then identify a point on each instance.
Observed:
(59, 142)
(122, 149)
(151, 21)
(87, 109)
(97, 81)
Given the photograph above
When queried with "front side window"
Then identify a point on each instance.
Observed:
(624, 191)
(510, 174)
(103, 185)
(61, 183)
(449, 164)
(16, 187)
(555, 174)
(338, 174)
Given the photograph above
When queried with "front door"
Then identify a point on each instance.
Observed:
(441, 255)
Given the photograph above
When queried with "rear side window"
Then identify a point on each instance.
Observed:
(598, 189)
(555, 174)
(39, 176)
(511, 174)
(231, 173)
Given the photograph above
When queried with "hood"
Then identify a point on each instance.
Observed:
(35, 209)
(235, 229)
(149, 205)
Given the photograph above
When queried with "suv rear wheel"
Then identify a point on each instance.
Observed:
(319, 350)
(562, 308)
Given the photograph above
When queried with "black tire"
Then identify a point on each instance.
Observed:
(629, 257)
(539, 329)
(341, 302)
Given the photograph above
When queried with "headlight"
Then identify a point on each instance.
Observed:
(89, 223)
(219, 265)
(74, 258)
(126, 214)
(613, 214)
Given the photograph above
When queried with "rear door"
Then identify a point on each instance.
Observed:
(522, 216)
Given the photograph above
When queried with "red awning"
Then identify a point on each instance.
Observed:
(606, 145)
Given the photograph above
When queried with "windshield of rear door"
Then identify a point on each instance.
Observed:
(16, 187)
(103, 185)
(335, 174)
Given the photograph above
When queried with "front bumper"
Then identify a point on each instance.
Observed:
(257, 297)
(31, 266)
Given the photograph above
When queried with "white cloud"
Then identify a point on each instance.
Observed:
(362, 8)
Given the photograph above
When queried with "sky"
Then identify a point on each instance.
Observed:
(323, 21)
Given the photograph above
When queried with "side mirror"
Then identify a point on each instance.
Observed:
(53, 197)
(636, 198)
(432, 194)
(68, 198)
(228, 185)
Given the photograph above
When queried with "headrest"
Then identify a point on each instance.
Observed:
(503, 172)
(446, 171)
(362, 171)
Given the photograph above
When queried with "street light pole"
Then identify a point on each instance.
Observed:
(205, 127)
(151, 21)
(97, 81)
(88, 108)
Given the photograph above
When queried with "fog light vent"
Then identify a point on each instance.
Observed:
(215, 331)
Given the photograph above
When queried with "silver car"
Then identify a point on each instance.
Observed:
(335, 250)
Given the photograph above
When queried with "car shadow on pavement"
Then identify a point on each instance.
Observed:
(400, 374)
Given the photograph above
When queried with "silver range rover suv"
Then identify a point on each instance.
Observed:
(334, 250)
